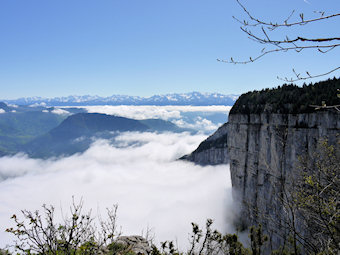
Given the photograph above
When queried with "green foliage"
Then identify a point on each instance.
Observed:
(257, 239)
(77, 235)
(318, 197)
(288, 98)
(4, 252)
(211, 241)
(217, 143)
(285, 250)
(311, 205)
(167, 248)
(119, 248)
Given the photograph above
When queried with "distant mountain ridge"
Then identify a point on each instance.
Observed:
(193, 98)
(55, 135)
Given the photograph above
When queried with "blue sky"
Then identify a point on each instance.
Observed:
(145, 47)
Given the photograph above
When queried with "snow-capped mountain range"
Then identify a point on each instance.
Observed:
(193, 98)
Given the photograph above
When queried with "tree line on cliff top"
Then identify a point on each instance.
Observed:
(289, 99)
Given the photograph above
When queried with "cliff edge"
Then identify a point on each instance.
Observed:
(264, 150)
(266, 133)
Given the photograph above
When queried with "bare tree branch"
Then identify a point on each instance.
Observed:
(309, 76)
(286, 43)
(285, 23)
(282, 49)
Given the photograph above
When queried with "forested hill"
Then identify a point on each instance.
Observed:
(288, 98)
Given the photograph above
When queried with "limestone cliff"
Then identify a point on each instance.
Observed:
(213, 150)
(263, 151)
(266, 133)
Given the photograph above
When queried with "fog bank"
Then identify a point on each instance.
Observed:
(153, 189)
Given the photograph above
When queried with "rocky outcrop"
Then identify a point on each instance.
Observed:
(213, 150)
(263, 151)
(138, 244)
(4, 252)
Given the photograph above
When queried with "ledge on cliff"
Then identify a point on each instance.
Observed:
(288, 99)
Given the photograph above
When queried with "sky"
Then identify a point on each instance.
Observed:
(147, 47)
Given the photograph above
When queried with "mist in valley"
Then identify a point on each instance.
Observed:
(139, 172)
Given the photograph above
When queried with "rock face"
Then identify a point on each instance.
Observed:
(263, 152)
(266, 133)
(213, 150)
(139, 245)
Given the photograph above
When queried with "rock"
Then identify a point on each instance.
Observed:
(263, 150)
(4, 252)
(138, 244)
(212, 151)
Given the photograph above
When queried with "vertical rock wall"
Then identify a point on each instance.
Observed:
(263, 152)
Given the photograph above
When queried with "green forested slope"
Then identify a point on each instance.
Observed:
(288, 98)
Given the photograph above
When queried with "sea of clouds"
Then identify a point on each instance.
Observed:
(152, 188)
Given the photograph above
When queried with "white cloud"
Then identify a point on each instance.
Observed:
(199, 124)
(136, 112)
(152, 188)
(38, 104)
(151, 111)
(2, 111)
(60, 111)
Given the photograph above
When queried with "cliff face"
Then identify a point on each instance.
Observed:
(267, 134)
(263, 151)
(213, 150)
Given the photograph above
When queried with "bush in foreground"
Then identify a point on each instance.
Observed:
(39, 233)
